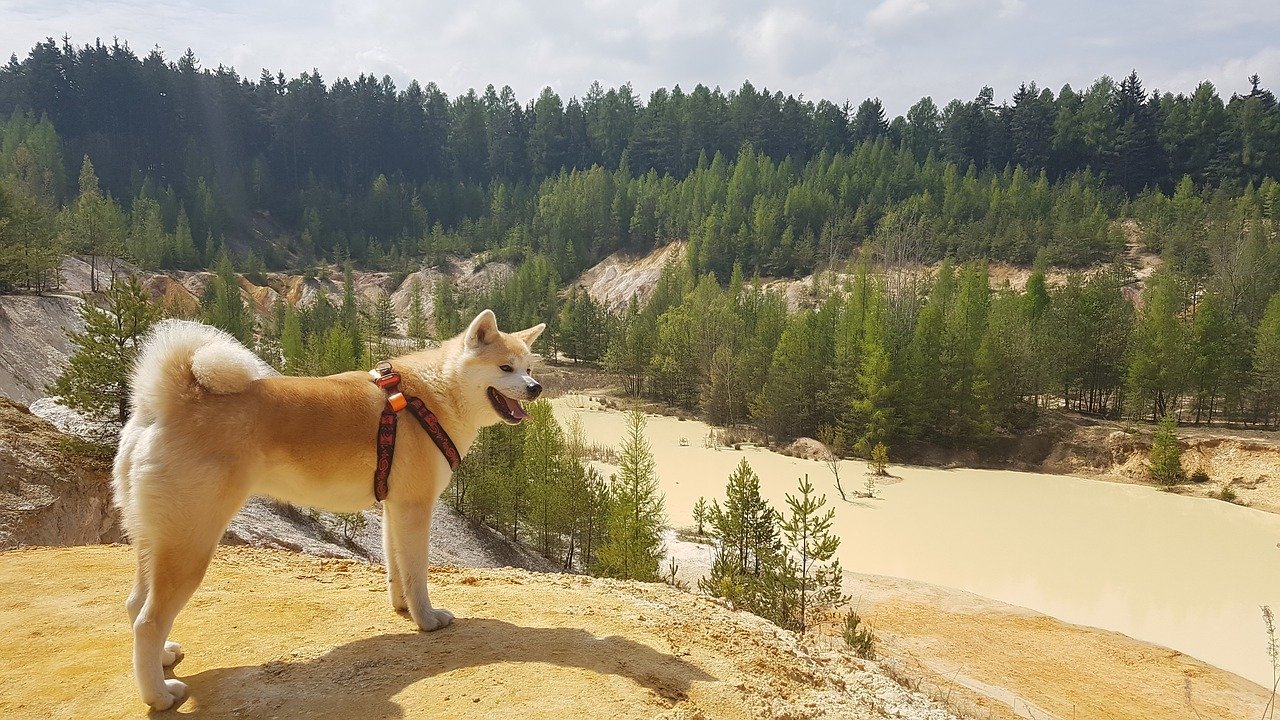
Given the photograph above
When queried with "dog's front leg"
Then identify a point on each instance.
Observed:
(409, 533)
(395, 581)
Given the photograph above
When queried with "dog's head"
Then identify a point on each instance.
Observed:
(500, 365)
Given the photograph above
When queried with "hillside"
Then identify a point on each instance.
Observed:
(276, 634)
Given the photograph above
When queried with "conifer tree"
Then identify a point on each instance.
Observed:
(543, 466)
(633, 549)
(872, 407)
(1266, 365)
(447, 319)
(384, 316)
(96, 380)
(807, 534)
(222, 306)
(349, 314)
(1158, 358)
(744, 526)
(292, 346)
(417, 326)
(95, 225)
(29, 250)
(1166, 454)
(184, 255)
(701, 513)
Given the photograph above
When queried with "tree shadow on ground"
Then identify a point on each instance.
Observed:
(359, 679)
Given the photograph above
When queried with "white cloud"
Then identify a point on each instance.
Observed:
(893, 13)
(899, 50)
(1230, 76)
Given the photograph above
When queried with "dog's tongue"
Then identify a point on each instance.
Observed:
(517, 410)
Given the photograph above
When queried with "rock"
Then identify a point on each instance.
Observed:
(33, 342)
(809, 449)
(49, 496)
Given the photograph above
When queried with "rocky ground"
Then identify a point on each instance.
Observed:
(48, 494)
(275, 634)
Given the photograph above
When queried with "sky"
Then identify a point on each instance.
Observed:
(896, 50)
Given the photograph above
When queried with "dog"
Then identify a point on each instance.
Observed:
(212, 424)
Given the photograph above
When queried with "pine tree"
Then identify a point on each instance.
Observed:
(880, 459)
(1166, 454)
(701, 513)
(185, 256)
(29, 250)
(447, 319)
(543, 466)
(96, 380)
(349, 314)
(292, 346)
(1158, 356)
(744, 527)
(222, 306)
(633, 549)
(1266, 366)
(94, 225)
(384, 316)
(808, 537)
(417, 328)
(872, 407)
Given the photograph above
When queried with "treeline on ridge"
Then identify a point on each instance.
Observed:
(387, 177)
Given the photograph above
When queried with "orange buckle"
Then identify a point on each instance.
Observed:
(396, 402)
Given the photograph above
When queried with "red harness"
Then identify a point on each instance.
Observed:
(389, 380)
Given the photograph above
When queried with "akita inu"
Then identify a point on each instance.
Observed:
(212, 424)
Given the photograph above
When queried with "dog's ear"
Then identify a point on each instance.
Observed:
(531, 334)
(483, 330)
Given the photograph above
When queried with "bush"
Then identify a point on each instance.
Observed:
(351, 523)
(1199, 476)
(1227, 494)
(858, 636)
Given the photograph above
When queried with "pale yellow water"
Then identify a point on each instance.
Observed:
(1186, 573)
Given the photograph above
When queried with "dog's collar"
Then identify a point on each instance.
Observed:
(385, 377)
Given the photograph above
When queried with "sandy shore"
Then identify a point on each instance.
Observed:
(1000, 658)
(989, 659)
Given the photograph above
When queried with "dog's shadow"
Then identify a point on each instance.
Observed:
(360, 678)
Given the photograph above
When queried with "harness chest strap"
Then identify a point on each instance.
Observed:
(389, 380)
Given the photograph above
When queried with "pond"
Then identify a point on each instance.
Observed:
(1186, 573)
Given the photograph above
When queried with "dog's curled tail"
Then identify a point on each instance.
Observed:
(182, 360)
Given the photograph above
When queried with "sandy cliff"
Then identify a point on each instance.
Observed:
(275, 634)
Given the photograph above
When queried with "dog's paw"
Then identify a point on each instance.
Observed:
(171, 655)
(174, 690)
(434, 619)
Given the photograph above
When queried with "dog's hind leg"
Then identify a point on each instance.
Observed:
(395, 582)
(172, 563)
(410, 533)
(172, 652)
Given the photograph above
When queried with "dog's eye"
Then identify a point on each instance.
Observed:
(505, 368)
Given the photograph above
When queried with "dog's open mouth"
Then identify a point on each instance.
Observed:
(511, 411)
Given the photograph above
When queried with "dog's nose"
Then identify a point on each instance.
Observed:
(535, 389)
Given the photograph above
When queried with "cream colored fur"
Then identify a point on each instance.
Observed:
(212, 424)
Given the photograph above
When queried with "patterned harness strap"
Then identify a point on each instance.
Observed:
(389, 380)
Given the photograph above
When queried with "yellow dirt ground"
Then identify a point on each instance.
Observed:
(272, 634)
(1029, 665)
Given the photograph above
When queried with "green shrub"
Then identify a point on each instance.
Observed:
(858, 636)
